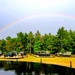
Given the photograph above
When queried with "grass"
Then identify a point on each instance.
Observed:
(62, 61)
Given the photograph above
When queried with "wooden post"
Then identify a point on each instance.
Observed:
(40, 60)
(70, 64)
(16, 60)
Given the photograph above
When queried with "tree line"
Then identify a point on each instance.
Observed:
(63, 41)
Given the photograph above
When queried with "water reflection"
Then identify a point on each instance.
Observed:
(25, 68)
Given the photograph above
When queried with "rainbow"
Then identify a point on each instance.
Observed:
(36, 16)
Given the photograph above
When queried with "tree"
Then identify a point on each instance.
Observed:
(13, 43)
(36, 46)
(8, 38)
(72, 41)
(63, 41)
(2, 45)
(38, 42)
(30, 40)
(8, 44)
(62, 35)
(25, 41)
(21, 41)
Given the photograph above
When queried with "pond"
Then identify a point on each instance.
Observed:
(25, 68)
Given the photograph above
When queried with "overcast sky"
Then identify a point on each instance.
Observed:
(47, 16)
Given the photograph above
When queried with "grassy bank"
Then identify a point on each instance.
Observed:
(61, 61)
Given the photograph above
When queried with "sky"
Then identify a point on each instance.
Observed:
(47, 16)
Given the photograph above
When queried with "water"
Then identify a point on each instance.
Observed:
(2, 72)
(25, 68)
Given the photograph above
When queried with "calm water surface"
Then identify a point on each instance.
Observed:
(2, 72)
(25, 68)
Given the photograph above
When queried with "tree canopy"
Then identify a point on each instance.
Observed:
(63, 41)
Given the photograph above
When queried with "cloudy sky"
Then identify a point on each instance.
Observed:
(47, 16)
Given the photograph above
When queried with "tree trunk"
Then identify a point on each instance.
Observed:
(30, 46)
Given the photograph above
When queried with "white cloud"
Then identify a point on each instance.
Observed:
(44, 4)
(32, 6)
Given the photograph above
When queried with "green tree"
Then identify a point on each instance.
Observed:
(62, 35)
(2, 45)
(72, 41)
(30, 40)
(63, 41)
(13, 43)
(8, 44)
(38, 42)
(21, 41)
(25, 41)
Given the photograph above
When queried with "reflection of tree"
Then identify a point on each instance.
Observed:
(23, 68)
(36, 68)
(1, 64)
(8, 65)
(20, 68)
